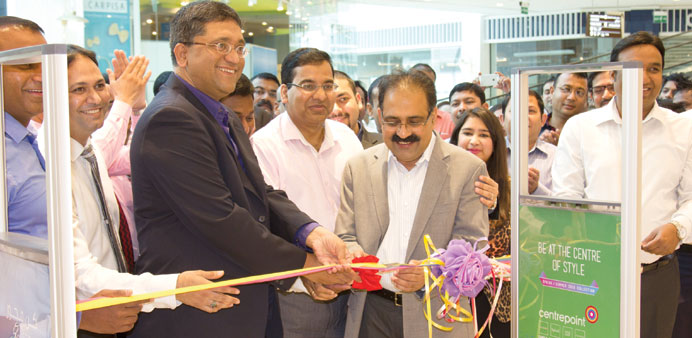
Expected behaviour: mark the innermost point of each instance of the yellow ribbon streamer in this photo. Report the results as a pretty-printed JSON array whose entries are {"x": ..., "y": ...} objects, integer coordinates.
[{"x": 103, "y": 302}]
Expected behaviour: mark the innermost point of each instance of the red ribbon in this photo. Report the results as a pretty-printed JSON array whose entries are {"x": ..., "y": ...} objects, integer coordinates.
[{"x": 370, "y": 280}]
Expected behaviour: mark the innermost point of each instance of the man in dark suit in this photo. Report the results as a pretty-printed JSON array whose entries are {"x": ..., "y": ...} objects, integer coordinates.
[{"x": 200, "y": 198}]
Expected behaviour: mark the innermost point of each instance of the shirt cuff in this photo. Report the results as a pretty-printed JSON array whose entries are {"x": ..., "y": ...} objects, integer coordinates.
[
  {"x": 541, "y": 190},
  {"x": 302, "y": 235},
  {"x": 685, "y": 222},
  {"x": 168, "y": 282}
]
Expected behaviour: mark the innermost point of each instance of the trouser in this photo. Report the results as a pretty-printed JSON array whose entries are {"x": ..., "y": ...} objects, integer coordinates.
[
  {"x": 683, "y": 320},
  {"x": 660, "y": 288},
  {"x": 304, "y": 317},
  {"x": 381, "y": 318}
]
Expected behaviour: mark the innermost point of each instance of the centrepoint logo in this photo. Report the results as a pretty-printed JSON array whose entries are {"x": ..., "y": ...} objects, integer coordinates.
[{"x": 591, "y": 314}]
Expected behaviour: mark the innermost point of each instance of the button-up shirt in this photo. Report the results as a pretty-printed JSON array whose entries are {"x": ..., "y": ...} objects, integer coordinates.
[
  {"x": 588, "y": 164},
  {"x": 540, "y": 157},
  {"x": 26, "y": 181},
  {"x": 310, "y": 178},
  {"x": 403, "y": 192}
]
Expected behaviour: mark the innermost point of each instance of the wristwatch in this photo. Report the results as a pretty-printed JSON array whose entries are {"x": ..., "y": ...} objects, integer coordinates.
[{"x": 682, "y": 231}]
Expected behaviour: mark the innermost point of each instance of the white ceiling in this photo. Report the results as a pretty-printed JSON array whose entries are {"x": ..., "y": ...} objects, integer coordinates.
[{"x": 509, "y": 7}]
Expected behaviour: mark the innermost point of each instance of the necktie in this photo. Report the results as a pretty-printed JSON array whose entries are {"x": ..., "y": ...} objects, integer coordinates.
[
  {"x": 126, "y": 240},
  {"x": 32, "y": 140},
  {"x": 88, "y": 155}
]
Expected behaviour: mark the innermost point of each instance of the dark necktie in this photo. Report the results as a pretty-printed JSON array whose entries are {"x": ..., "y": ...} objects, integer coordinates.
[
  {"x": 88, "y": 155},
  {"x": 32, "y": 140},
  {"x": 126, "y": 240}
]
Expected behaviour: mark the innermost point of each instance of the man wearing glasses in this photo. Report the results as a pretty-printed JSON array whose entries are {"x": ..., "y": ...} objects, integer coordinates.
[
  {"x": 200, "y": 198},
  {"x": 395, "y": 193},
  {"x": 303, "y": 153},
  {"x": 601, "y": 88},
  {"x": 568, "y": 99},
  {"x": 266, "y": 85}
]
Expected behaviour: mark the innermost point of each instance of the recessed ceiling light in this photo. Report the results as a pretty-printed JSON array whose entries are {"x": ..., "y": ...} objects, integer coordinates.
[
  {"x": 499, "y": 4},
  {"x": 264, "y": 23},
  {"x": 309, "y": 2},
  {"x": 184, "y": 3},
  {"x": 154, "y": 33},
  {"x": 242, "y": 31},
  {"x": 251, "y": 34},
  {"x": 150, "y": 21}
]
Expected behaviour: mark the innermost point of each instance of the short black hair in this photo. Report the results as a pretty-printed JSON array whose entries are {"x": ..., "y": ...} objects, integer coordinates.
[
  {"x": 636, "y": 39},
  {"x": 676, "y": 77},
  {"x": 678, "y": 107},
  {"x": 342, "y": 75},
  {"x": 468, "y": 87},
  {"x": 539, "y": 99},
  {"x": 365, "y": 92},
  {"x": 408, "y": 79},
  {"x": 581, "y": 75},
  {"x": 301, "y": 57},
  {"x": 73, "y": 51},
  {"x": 592, "y": 76},
  {"x": 266, "y": 76},
  {"x": 682, "y": 83},
  {"x": 243, "y": 87},
  {"x": 191, "y": 19},
  {"x": 160, "y": 80},
  {"x": 373, "y": 85},
  {"x": 6, "y": 21},
  {"x": 424, "y": 67}
]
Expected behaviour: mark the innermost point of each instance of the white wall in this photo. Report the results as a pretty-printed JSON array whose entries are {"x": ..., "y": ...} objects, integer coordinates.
[{"x": 159, "y": 54}]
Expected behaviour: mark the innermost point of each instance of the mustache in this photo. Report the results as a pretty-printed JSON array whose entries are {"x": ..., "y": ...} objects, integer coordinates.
[
  {"x": 410, "y": 138},
  {"x": 264, "y": 102}
]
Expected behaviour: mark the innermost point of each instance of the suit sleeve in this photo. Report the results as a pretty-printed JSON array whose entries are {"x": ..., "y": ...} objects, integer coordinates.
[
  {"x": 471, "y": 220},
  {"x": 181, "y": 160},
  {"x": 345, "y": 226}
]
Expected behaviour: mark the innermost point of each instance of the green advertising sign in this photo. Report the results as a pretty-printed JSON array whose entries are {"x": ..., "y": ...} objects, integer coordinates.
[{"x": 569, "y": 273}]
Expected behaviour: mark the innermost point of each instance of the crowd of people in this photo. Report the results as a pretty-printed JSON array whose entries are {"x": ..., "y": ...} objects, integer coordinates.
[{"x": 225, "y": 176}]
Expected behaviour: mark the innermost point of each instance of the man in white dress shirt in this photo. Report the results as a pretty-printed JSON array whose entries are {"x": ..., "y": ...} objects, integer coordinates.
[
  {"x": 304, "y": 153},
  {"x": 588, "y": 165},
  {"x": 395, "y": 193}
]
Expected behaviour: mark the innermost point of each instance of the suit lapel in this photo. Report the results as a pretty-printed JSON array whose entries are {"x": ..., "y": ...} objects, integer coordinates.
[
  {"x": 378, "y": 178},
  {"x": 251, "y": 183},
  {"x": 435, "y": 178}
]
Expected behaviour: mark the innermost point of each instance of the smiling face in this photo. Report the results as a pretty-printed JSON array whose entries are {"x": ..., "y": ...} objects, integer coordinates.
[
  {"x": 22, "y": 86},
  {"x": 204, "y": 67},
  {"x": 652, "y": 61},
  {"x": 309, "y": 108},
  {"x": 347, "y": 107},
  {"x": 88, "y": 97},
  {"x": 475, "y": 137},
  {"x": 407, "y": 105}
]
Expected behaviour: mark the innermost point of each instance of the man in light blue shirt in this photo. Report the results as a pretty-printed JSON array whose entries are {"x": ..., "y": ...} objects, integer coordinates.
[
  {"x": 541, "y": 153},
  {"x": 26, "y": 179}
]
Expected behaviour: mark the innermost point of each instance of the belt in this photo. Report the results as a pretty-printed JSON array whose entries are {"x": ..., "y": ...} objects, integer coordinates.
[
  {"x": 661, "y": 262},
  {"x": 388, "y": 295}
]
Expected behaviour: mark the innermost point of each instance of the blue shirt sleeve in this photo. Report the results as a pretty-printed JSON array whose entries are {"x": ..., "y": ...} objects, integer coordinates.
[{"x": 302, "y": 235}]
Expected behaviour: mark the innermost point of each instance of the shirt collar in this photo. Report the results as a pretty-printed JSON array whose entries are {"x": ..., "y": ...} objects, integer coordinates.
[
  {"x": 216, "y": 108},
  {"x": 655, "y": 113},
  {"x": 360, "y": 131},
  {"x": 77, "y": 148},
  {"x": 15, "y": 130},
  {"x": 424, "y": 158},
  {"x": 291, "y": 132},
  {"x": 540, "y": 146}
]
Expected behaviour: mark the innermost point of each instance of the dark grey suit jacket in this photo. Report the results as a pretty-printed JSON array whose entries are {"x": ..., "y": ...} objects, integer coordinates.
[{"x": 196, "y": 208}]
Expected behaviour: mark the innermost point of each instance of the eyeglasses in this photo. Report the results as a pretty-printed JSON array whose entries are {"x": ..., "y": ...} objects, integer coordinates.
[
  {"x": 311, "y": 87},
  {"x": 396, "y": 124},
  {"x": 579, "y": 92},
  {"x": 224, "y": 48},
  {"x": 599, "y": 90}
]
